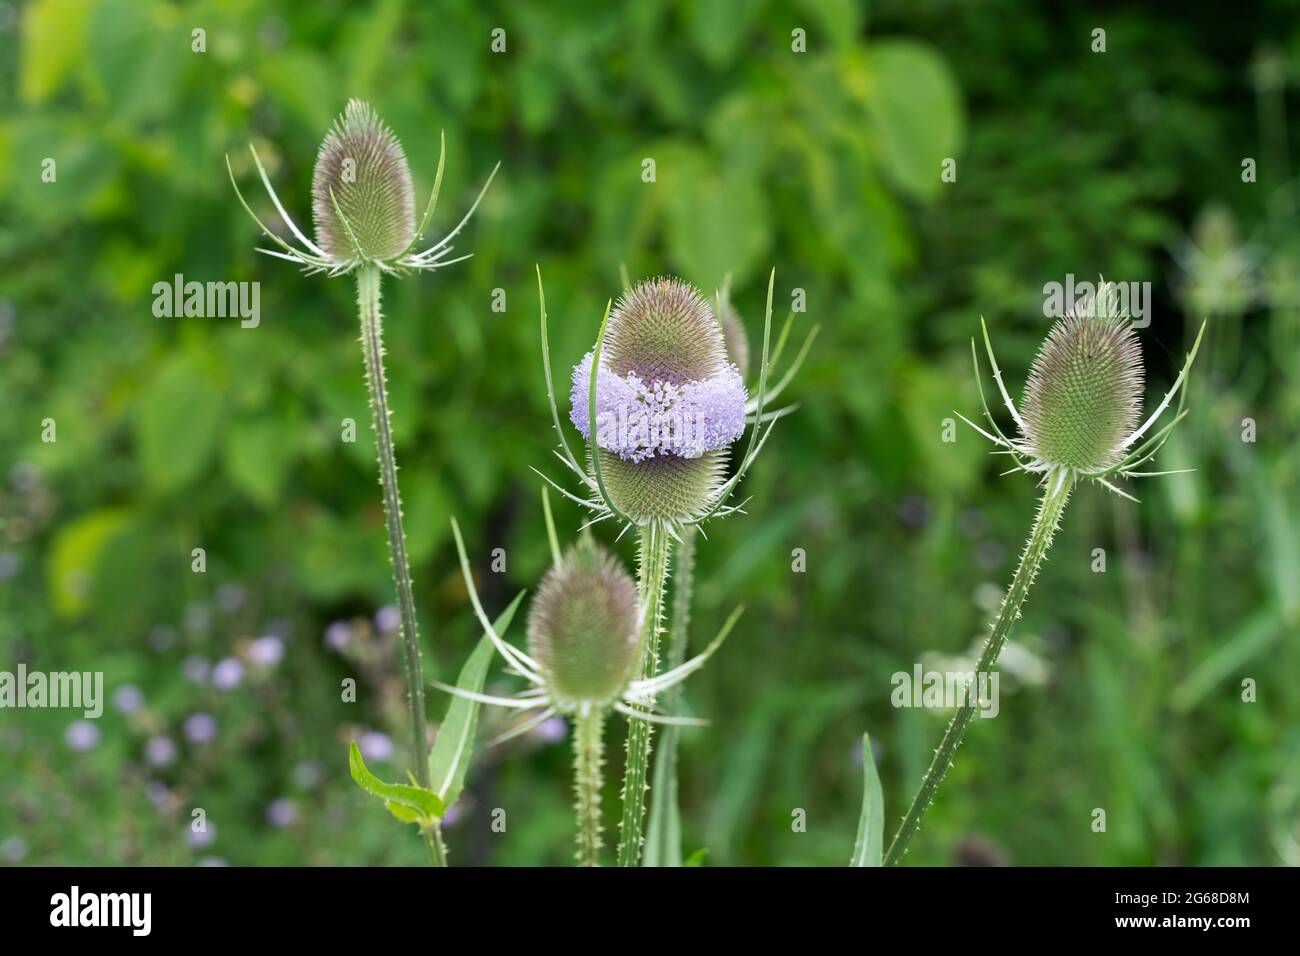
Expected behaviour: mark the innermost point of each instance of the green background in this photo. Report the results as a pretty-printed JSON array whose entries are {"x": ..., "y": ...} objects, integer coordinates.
[{"x": 1123, "y": 690}]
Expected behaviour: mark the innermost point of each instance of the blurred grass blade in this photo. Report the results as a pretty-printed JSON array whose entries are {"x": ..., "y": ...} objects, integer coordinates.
[
  {"x": 449, "y": 760},
  {"x": 1260, "y": 632},
  {"x": 408, "y": 803},
  {"x": 869, "y": 848},
  {"x": 663, "y": 839}
]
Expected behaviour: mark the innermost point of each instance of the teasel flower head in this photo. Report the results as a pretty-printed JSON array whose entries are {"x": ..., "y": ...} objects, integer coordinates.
[
  {"x": 1080, "y": 412},
  {"x": 363, "y": 203},
  {"x": 362, "y": 198},
  {"x": 1084, "y": 394},
  {"x": 666, "y": 402},
  {"x": 583, "y": 630}
]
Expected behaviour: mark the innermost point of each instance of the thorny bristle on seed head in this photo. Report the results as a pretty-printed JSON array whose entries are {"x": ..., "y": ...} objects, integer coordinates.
[
  {"x": 663, "y": 330},
  {"x": 582, "y": 627},
  {"x": 363, "y": 202},
  {"x": 1084, "y": 392},
  {"x": 1082, "y": 403}
]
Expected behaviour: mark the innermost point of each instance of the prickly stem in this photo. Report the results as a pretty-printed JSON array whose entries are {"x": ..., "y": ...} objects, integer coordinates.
[
  {"x": 372, "y": 348},
  {"x": 1050, "y": 509},
  {"x": 588, "y": 763},
  {"x": 652, "y": 577},
  {"x": 662, "y": 837}
]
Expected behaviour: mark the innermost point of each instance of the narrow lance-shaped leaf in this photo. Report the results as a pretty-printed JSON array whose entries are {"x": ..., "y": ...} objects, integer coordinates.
[
  {"x": 869, "y": 848},
  {"x": 450, "y": 757},
  {"x": 410, "y": 804}
]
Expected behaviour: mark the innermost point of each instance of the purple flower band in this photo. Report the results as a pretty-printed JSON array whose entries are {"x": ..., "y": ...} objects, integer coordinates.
[{"x": 637, "y": 419}]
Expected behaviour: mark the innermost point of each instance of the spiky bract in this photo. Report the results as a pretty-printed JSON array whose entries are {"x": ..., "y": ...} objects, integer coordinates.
[
  {"x": 1084, "y": 393},
  {"x": 735, "y": 338},
  {"x": 582, "y": 628},
  {"x": 361, "y": 167}
]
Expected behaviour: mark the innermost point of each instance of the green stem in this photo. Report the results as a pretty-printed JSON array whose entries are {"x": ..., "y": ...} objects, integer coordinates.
[
  {"x": 1050, "y": 510},
  {"x": 372, "y": 348},
  {"x": 653, "y": 575},
  {"x": 588, "y": 759},
  {"x": 663, "y": 833}
]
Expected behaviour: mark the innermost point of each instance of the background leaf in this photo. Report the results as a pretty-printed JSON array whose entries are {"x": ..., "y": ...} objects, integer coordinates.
[
  {"x": 452, "y": 748},
  {"x": 869, "y": 848}
]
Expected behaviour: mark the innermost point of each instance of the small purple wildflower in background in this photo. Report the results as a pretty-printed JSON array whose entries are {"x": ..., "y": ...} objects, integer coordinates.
[
  {"x": 337, "y": 635},
  {"x": 198, "y": 617},
  {"x": 159, "y": 794},
  {"x": 128, "y": 699},
  {"x": 196, "y": 669},
  {"x": 82, "y": 735},
  {"x": 24, "y": 476},
  {"x": 639, "y": 418},
  {"x": 307, "y": 774},
  {"x": 266, "y": 651},
  {"x": 376, "y": 746},
  {"x": 230, "y": 597},
  {"x": 8, "y": 565},
  {"x": 160, "y": 751},
  {"x": 282, "y": 812},
  {"x": 451, "y": 816},
  {"x": 228, "y": 674},
  {"x": 161, "y": 637},
  {"x": 200, "y": 728},
  {"x": 552, "y": 730},
  {"x": 13, "y": 849},
  {"x": 387, "y": 619},
  {"x": 198, "y": 839}
]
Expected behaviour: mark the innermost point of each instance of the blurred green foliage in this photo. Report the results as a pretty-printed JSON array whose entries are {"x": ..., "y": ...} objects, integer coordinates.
[{"x": 1125, "y": 687}]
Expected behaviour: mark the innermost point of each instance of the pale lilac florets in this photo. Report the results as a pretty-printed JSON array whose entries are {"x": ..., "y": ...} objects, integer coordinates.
[{"x": 638, "y": 419}]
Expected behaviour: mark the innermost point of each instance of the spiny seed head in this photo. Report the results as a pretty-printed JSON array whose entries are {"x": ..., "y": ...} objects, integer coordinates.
[
  {"x": 582, "y": 627},
  {"x": 662, "y": 330},
  {"x": 735, "y": 338},
  {"x": 362, "y": 164},
  {"x": 668, "y": 488},
  {"x": 1084, "y": 393}
]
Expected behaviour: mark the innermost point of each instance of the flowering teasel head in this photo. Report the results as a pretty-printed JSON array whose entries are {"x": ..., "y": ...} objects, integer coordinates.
[
  {"x": 1078, "y": 417},
  {"x": 582, "y": 643},
  {"x": 666, "y": 403},
  {"x": 362, "y": 203}
]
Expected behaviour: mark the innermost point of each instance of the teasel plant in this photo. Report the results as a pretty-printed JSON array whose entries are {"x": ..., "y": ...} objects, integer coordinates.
[
  {"x": 659, "y": 359},
  {"x": 1078, "y": 421},
  {"x": 583, "y": 628},
  {"x": 363, "y": 209},
  {"x": 663, "y": 841}
]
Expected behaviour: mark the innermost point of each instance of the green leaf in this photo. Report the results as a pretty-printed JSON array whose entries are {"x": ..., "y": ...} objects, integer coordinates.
[
  {"x": 916, "y": 107},
  {"x": 869, "y": 848},
  {"x": 76, "y": 556},
  {"x": 177, "y": 424},
  {"x": 697, "y": 858},
  {"x": 257, "y": 456},
  {"x": 408, "y": 803},
  {"x": 449, "y": 760},
  {"x": 54, "y": 41}
]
